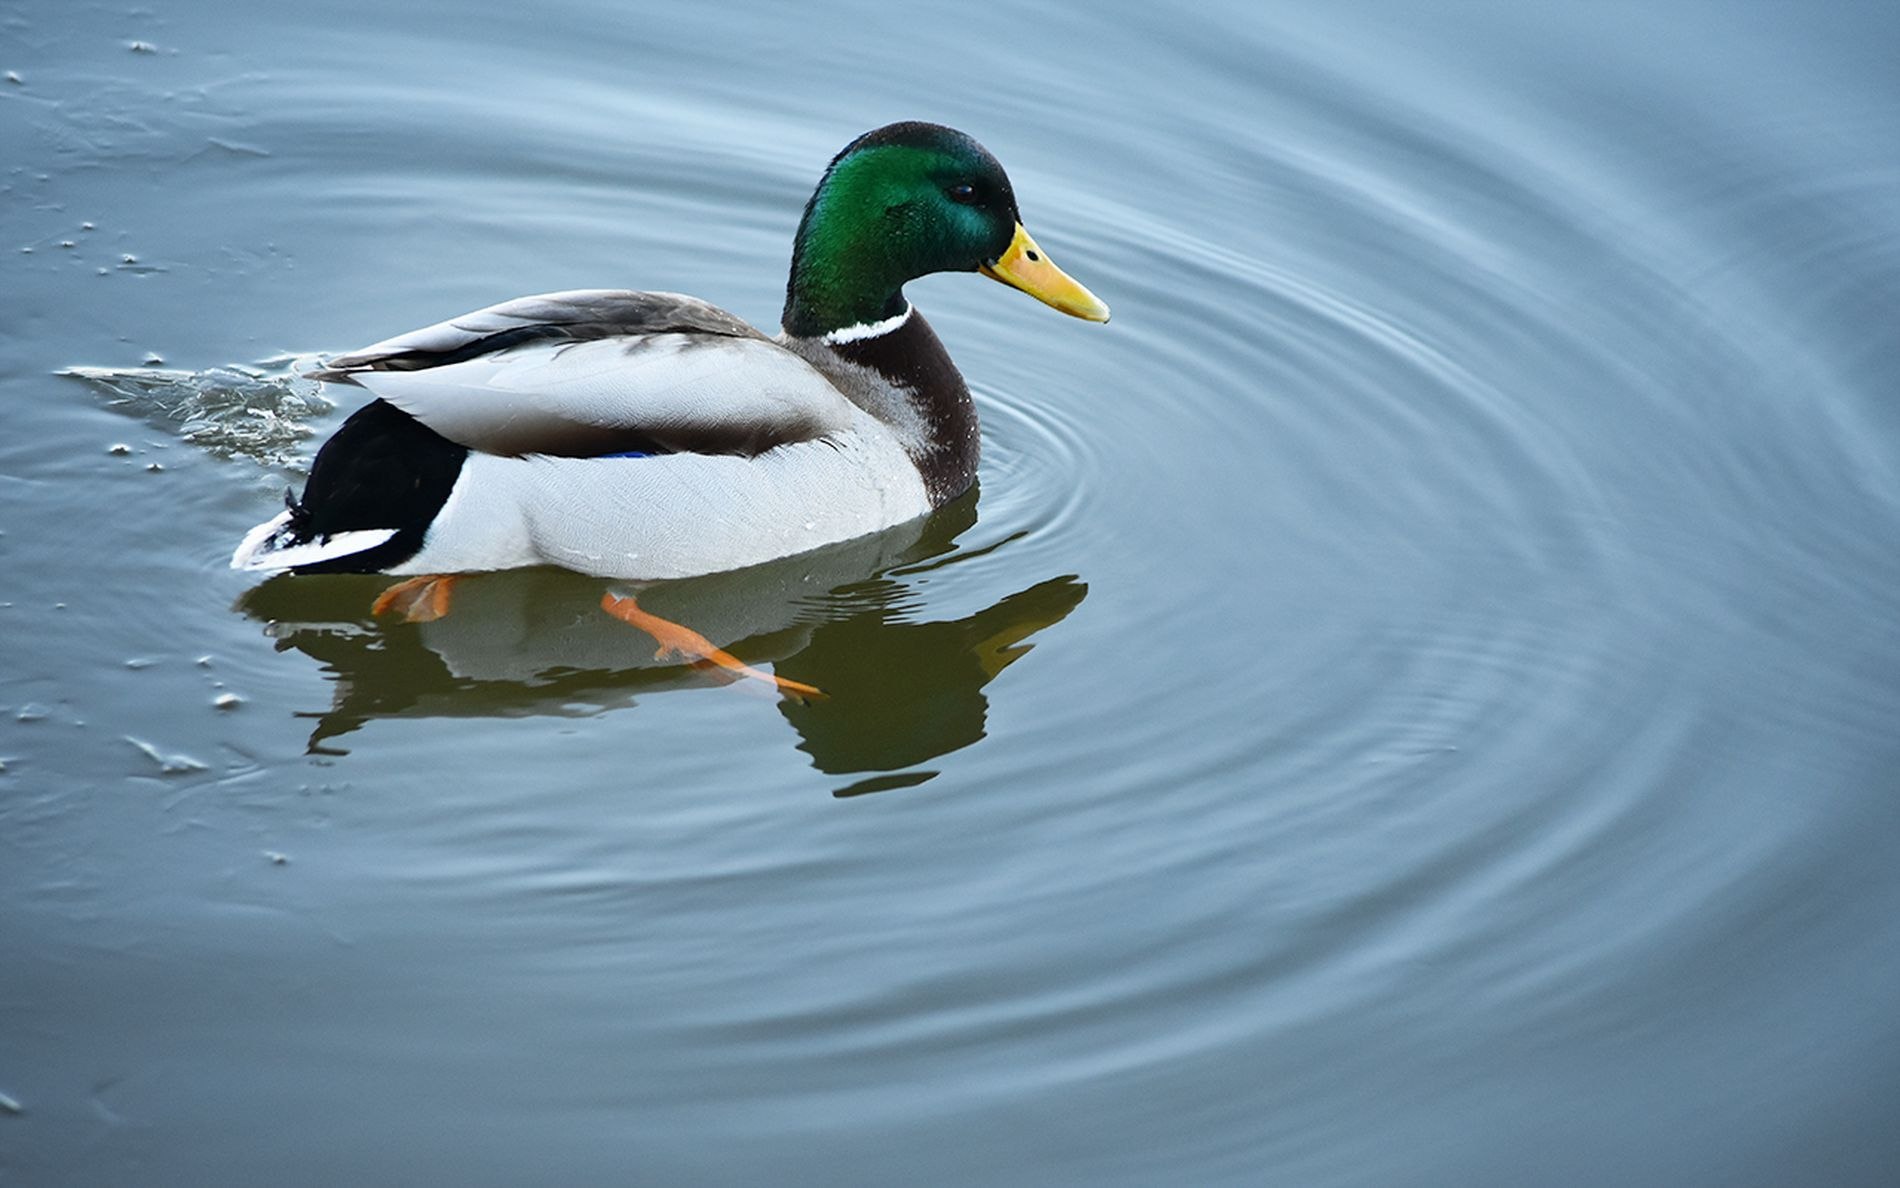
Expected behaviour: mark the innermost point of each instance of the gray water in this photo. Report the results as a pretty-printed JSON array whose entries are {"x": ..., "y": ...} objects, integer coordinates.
[{"x": 1413, "y": 703}]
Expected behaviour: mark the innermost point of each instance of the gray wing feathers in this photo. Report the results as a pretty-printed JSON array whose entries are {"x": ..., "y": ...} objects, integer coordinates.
[
  {"x": 593, "y": 372},
  {"x": 577, "y": 315}
]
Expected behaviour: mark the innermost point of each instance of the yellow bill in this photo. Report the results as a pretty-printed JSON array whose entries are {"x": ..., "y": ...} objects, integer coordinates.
[{"x": 1025, "y": 266}]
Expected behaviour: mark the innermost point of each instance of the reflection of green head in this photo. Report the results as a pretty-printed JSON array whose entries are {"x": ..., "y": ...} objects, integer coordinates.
[
  {"x": 898, "y": 203},
  {"x": 902, "y": 693}
]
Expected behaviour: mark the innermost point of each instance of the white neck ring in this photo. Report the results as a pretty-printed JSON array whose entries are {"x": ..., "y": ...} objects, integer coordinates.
[{"x": 864, "y": 330}]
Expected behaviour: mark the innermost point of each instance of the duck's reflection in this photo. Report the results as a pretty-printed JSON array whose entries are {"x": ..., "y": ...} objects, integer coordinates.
[{"x": 899, "y": 693}]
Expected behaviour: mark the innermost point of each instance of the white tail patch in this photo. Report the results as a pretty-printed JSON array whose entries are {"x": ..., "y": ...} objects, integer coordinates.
[{"x": 272, "y": 546}]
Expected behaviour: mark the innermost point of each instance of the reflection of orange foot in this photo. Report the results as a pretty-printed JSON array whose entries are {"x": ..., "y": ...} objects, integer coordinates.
[
  {"x": 418, "y": 600},
  {"x": 685, "y": 643}
]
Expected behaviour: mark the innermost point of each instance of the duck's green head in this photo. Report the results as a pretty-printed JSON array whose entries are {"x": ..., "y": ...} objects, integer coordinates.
[{"x": 904, "y": 201}]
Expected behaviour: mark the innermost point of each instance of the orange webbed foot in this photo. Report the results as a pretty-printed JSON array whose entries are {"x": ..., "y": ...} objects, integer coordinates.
[
  {"x": 683, "y": 643},
  {"x": 418, "y": 600}
]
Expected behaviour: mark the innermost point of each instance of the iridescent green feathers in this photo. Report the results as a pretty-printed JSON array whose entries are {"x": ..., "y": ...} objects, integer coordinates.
[{"x": 901, "y": 202}]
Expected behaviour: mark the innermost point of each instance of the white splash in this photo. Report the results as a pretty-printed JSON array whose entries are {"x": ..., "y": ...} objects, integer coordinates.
[{"x": 260, "y": 412}]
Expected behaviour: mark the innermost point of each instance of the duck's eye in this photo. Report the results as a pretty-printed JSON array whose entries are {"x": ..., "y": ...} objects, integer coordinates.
[{"x": 962, "y": 192}]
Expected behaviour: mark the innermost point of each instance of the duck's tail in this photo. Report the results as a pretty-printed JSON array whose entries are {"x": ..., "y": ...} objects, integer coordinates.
[
  {"x": 373, "y": 491},
  {"x": 285, "y": 542}
]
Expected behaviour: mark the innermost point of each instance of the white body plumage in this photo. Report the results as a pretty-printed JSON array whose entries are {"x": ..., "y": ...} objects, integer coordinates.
[
  {"x": 674, "y": 515},
  {"x": 625, "y": 434}
]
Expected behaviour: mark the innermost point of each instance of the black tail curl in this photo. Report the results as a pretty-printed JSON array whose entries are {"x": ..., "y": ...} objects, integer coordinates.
[{"x": 382, "y": 469}]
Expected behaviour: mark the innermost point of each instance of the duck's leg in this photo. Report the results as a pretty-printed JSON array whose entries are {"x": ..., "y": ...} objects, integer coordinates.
[
  {"x": 418, "y": 600},
  {"x": 685, "y": 643}
]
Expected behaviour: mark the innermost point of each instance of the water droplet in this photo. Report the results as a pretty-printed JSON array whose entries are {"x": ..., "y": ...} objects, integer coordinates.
[
  {"x": 276, "y": 859},
  {"x": 167, "y": 764},
  {"x": 227, "y": 701}
]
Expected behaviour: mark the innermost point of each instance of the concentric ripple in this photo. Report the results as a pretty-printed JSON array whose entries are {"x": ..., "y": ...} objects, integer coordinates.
[{"x": 1412, "y": 703}]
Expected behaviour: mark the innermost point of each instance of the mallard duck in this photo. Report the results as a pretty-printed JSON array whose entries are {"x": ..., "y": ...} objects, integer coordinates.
[{"x": 647, "y": 435}]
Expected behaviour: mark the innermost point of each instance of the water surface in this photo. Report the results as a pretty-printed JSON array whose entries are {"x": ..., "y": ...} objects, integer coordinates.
[{"x": 1412, "y": 703}]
